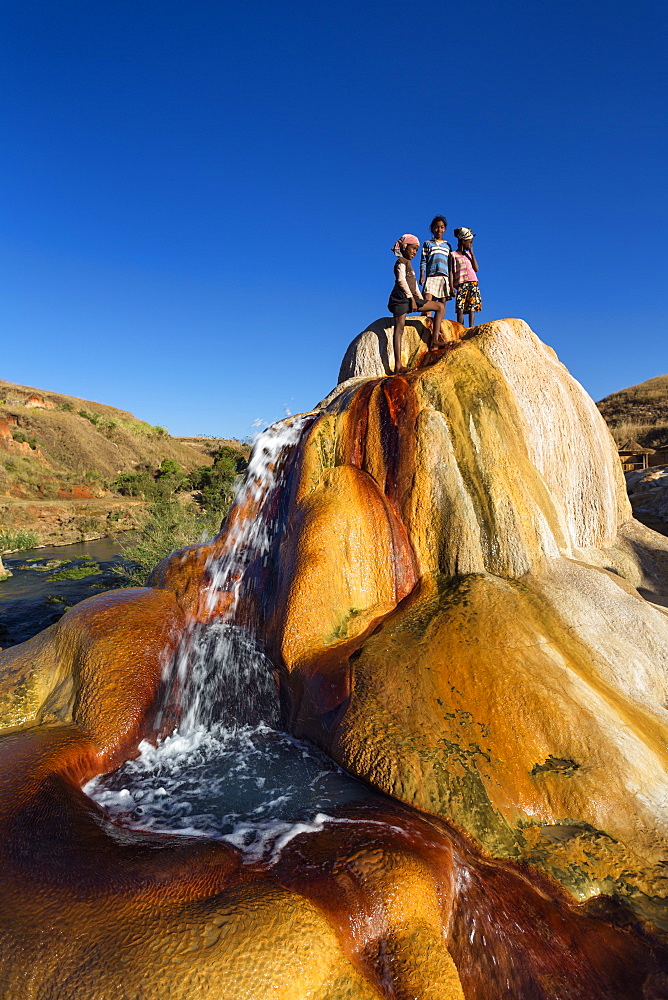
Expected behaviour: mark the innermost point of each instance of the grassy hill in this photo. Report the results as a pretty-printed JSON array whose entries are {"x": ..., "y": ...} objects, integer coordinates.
[
  {"x": 62, "y": 460},
  {"x": 639, "y": 413}
]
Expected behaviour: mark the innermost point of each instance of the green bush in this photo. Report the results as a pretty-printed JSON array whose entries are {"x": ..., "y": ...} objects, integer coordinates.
[
  {"x": 167, "y": 525},
  {"x": 137, "y": 484},
  {"x": 92, "y": 417},
  {"x": 10, "y": 540},
  {"x": 67, "y": 407},
  {"x": 24, "y": 439},
  {"x": 170, "y": 477},
  {"x": 215, "y": 483}
]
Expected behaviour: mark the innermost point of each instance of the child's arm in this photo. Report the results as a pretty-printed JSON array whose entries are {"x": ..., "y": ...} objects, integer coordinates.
[
  {"x": 451, "y": 271},
  {"x": 474, "y": 262},
  {"x": 423, "y": 264}
]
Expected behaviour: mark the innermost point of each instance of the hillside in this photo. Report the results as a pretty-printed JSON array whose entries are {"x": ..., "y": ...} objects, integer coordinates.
[
  {"x": 60, "y": 457},
  {"x": 639, "y": 413}
]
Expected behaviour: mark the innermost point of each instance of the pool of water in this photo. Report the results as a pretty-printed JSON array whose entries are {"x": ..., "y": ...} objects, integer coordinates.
[
  {"x": 36, "y": 595},
  {"x": 252, "y": 786}
]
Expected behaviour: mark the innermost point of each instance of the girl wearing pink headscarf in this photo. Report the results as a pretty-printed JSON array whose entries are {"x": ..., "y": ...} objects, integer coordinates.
[{"x": 405, "y": 297}]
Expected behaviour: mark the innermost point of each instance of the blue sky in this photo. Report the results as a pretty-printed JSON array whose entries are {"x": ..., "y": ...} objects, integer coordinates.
[{"x": 199, "y": 196}]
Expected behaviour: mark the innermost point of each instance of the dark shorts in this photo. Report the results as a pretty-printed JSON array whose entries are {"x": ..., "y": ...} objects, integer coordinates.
[{"x": 401, "y": 307}]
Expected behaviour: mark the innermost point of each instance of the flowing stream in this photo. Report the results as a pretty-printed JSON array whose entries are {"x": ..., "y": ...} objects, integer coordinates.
[{"x": 226, "y": 771}]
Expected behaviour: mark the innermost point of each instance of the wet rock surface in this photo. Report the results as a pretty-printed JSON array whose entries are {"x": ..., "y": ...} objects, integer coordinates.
[{"x": 445, "y": 589}]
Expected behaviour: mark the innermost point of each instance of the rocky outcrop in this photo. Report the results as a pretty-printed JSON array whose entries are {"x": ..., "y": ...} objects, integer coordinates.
[
  {"x": 648, "y": 491},
  {"x": 520, "y": 687},
  {"x": 35, "y": 402},
  {"x": 371, "y": 354},
  {"x": 463, "y": 613}
]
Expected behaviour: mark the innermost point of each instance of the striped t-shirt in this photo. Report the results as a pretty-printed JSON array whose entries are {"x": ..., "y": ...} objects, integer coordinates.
[
  {"x": 463, "y": 268},
  {"x": 434, "y": 259}
]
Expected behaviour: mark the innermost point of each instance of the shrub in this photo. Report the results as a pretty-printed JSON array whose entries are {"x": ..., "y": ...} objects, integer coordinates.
[
  {"x": 216, "y": 482},
  {"x": 136, "y": 484},
  {"x": 67, "y": 407},
  {"x": 24, "y": 439},
  {"x": 167, "y": 525},
  {"x": 170, "y": 477},
  {"x": 92, "y": 417},
  {"x": 160, "y": 431},
  {"x": 10, "y": 540}
]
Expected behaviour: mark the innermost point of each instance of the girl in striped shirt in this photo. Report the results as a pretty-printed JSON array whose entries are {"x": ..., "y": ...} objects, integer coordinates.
[{"x": 435, "y": 263}]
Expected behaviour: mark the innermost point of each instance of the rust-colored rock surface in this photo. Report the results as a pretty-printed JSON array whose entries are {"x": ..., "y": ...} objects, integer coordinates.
[
  {"x": 520, "y": 689},
  {"x": 460, "y": 610}
]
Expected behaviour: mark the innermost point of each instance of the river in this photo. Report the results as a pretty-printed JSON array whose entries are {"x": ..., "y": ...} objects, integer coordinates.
[{"x": 45, "y": 582}]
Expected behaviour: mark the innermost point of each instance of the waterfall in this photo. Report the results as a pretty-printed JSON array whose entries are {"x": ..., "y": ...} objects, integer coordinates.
[
  {"x": 254, "y": 519},
  {"x": 220, "y": 766},
  {"x": 220, "y": 672}
]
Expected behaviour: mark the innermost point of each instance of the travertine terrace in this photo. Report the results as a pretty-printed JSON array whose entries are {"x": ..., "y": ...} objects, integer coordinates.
[{"x": 461, "y": 611}]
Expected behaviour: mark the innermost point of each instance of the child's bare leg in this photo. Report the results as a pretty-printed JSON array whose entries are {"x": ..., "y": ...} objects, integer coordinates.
[
  {"x": 439, "y": 316},
  {"x": 399, "y": 324},
  {"x": 437, "y": 308},
  {"x": 471, "y": 319}
]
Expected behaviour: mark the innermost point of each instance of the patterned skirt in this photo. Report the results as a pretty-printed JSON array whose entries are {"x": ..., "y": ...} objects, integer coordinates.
[{"x": 468, "y": 298}]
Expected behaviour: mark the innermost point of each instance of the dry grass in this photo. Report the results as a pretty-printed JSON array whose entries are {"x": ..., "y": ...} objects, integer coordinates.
[
  {"x": 84, "y": 443},
  {"x": 642, "y": 433},
  {"x": 639, "y": 413}
]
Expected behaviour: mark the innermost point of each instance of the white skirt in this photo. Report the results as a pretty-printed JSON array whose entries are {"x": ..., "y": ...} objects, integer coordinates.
[{"x": 438, "y": 286}]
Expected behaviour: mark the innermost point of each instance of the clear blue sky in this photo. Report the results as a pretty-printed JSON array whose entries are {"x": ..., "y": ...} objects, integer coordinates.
[{"x": 199, "y": 196}]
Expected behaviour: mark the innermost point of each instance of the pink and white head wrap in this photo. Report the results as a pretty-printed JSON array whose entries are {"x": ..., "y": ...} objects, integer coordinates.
[{"x": 404, "y": 241}]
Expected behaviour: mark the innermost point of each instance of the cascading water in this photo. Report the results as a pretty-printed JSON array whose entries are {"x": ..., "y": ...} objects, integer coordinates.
[
  {"x": 220, "y": 673},
  {"x": 225, "y": 770}
]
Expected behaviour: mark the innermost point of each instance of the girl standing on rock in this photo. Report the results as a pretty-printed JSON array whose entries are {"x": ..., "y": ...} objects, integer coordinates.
[
  {"x": 405, "y": 297},
  {"x": 464, "y": 276},
  {"x": 435, "y": 263}
]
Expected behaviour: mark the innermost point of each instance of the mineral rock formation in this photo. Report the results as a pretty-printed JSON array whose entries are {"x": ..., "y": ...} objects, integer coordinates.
[
  {"x": 371, "y": 354},
  {"x": 519, "y": 689},
  {"x": 462, "y": 612}
]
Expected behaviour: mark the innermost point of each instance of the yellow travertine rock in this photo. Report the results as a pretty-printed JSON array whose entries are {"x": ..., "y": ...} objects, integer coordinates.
[
  {"x": 524, "y": 682},
  {"x": 464, "y": 614}
]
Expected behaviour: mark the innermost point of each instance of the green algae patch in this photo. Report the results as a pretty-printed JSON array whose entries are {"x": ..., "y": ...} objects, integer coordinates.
[{"x": 77, "y": 572}]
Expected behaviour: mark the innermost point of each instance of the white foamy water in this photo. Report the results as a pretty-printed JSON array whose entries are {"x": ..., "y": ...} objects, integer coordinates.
[
  {"x": 250, "y": 535},
  {"x": 226, "y": 772},
  {"x": 251, "y": 786},
  {"x": 220, "y": 672}
]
